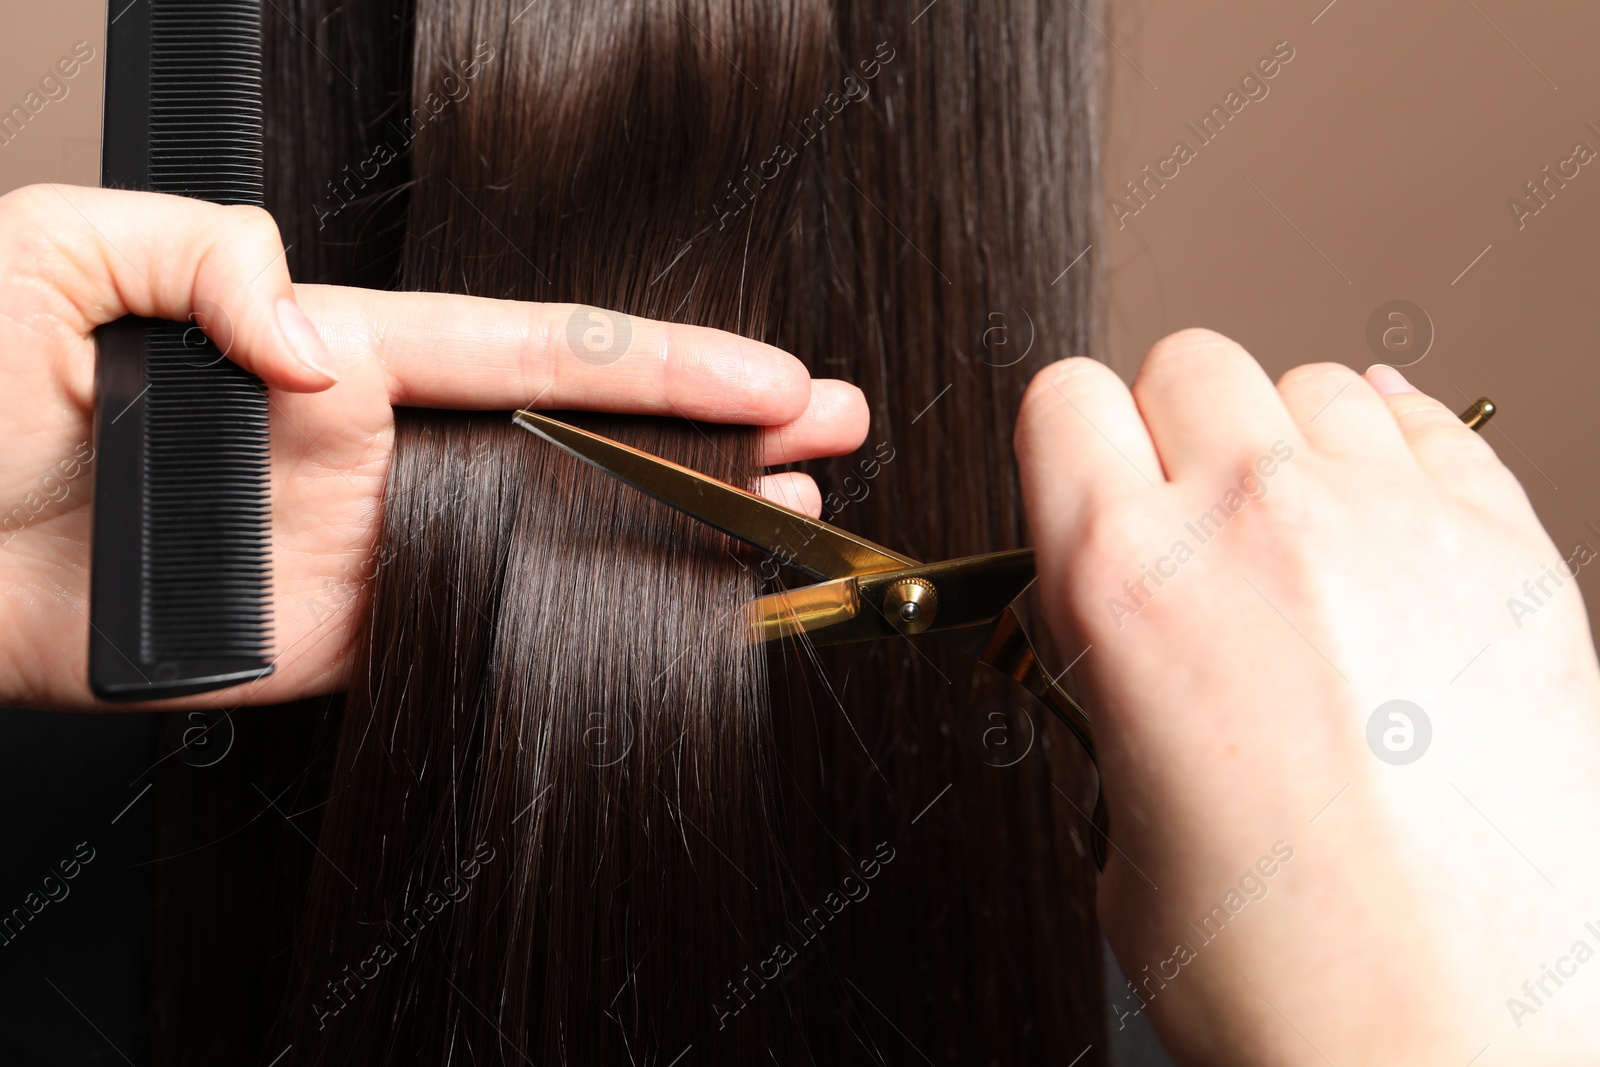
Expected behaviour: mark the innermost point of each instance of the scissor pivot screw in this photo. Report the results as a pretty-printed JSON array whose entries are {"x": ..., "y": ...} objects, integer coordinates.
[{"x": 911, "y": 604}]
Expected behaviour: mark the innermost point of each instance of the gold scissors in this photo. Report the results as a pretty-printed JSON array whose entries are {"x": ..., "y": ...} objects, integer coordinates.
[{"x": 865, "y": 592}]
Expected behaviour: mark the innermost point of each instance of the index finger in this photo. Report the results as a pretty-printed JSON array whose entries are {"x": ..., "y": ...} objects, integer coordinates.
[{"x": 444, "y": 350}]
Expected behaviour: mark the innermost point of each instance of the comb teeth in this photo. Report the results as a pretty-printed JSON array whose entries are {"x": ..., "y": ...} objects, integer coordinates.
[
  {"x": 207, "y": 539},
  {"x": 205, "y": 100},
  {"x": 181, "y": 580}
]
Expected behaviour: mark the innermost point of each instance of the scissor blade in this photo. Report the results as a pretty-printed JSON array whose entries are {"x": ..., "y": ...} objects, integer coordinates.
[{"x": 813, "y": 546}]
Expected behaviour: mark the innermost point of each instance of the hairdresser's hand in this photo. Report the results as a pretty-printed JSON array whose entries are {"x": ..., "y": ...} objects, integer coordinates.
[
  {"x": 72, "y": 259},
  {"x": 1258, "y": 570}
]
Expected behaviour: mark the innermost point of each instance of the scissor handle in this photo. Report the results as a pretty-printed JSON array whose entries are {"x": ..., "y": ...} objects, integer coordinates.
[
  {"x": 1072, "y": 714},
  {"x": 1023, "y": 659},
  {"x": 1004, "y": 645}
]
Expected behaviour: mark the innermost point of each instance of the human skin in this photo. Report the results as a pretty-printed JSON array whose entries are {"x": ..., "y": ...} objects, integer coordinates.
[
  {"x": 338, "y": 362},
  {"x": 1231, "y": 704}
]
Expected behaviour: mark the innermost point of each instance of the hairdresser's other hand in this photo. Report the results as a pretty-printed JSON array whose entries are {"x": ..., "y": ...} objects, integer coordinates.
[
  {"x": 1301, "y": 872},
  {"x": 338, "y": 361}
]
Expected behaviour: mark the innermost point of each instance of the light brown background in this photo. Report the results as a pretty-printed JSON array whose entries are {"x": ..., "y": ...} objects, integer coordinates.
[
  {"x": 62, "y": 142},
  {"x": 1392, "y": 142}
]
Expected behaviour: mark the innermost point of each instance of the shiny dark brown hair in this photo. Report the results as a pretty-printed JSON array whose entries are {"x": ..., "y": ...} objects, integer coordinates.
[{"x": 566, "y": 813}]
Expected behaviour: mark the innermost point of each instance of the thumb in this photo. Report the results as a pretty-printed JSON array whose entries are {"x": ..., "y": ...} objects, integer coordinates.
[{"x": 115, "y": 252}]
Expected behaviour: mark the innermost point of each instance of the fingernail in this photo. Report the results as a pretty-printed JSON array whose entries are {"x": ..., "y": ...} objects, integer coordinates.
[
  {"x": 1386, "y": 380},
  {"x": 304, "y": 339}
]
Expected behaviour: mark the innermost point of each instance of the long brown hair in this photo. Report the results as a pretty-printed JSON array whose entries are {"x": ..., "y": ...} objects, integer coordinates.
[{"x": 571, "y": 816}]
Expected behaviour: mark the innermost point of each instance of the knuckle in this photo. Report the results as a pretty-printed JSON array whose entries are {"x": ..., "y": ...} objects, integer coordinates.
[
  {"x": 675, "y": 356},
  {"x": 1269, "y": 506},
  {"x": 1116, "y": 546},
  {"x": 1285, "y": 515},
  {"x": 1419, "y": 409},
  {"x": 536, "y": 362},
  {"x": 1108, "y": 537},
  {"x": 1284, "y": 538},
  {"x": 254, "y": 224},
  {"x": 1177, "y": 351},
  {"x": 1314, "y": 377},
  {"x": 1445, "y": 440},
  {"x": 1053, "y": 387},
  {"x": 544, "y": 333}
]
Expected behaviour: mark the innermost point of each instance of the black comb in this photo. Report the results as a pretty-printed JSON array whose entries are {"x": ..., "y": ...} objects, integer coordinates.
[{"x": 180, "y": 598}]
